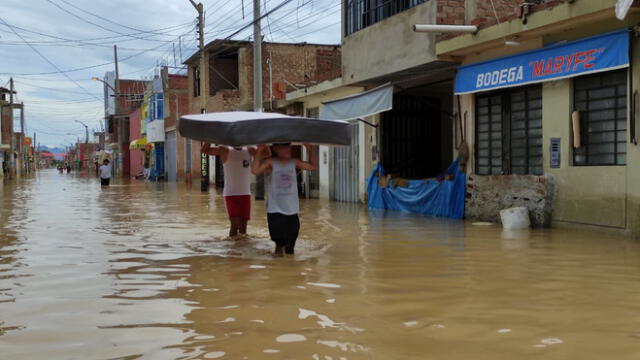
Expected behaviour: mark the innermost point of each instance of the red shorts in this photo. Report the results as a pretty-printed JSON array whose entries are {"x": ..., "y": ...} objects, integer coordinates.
[{"x": 238, "y": 206}]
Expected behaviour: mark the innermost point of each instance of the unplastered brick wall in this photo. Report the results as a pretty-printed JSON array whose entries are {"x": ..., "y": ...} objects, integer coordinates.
[
  {"x": 481, "y": 12},
  {"x": 451, "y": 12},
  {"x": 487, "y": 195},
  {"x": 297, "y": 65}
]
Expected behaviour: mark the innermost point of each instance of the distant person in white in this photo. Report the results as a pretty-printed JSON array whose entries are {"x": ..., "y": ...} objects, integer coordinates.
[{"x": 105, "y": 173}]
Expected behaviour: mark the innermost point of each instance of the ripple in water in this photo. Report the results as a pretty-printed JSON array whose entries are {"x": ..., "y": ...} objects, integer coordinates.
[
  {"x": 214, "y": 355},
  {"x": 325, "y": 285},
  {"x": 289, "y": 338}
]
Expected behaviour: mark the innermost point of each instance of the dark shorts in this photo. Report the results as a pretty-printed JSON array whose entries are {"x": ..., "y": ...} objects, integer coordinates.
[
  {"x": 283, "y": 230},
  {"x": 238, "y": 206},
  {"x": 104, "y": 182}
]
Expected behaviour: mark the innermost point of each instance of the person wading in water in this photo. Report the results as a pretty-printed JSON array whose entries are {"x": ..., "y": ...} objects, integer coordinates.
[
  {"x": 105, "y": 173},
  {"x": 283, "y": 204},
  {"x": 237, "y": 184}
]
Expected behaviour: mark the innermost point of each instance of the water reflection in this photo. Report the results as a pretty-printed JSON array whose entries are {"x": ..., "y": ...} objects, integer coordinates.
[{"x": 146, "y": 271}]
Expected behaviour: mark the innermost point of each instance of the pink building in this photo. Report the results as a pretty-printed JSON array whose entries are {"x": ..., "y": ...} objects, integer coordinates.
[{"x": 137, "y": 156}]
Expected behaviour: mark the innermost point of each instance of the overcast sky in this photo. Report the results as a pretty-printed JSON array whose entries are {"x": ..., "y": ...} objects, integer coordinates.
[{"x": 75, "y": 39}]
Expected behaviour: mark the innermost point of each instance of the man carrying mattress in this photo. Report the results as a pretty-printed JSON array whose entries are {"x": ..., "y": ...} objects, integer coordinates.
[{"x": 237, "y": 184}]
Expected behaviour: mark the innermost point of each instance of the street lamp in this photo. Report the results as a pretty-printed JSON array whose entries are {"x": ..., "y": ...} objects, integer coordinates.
[
  {"x": 86, "y": 128},
  {"x": 107, "y": 84}
]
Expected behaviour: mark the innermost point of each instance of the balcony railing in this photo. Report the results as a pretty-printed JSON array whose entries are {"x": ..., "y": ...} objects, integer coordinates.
[{"x": 363, "y": 13}]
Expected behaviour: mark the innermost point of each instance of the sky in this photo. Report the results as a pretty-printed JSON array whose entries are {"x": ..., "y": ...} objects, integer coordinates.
[{"x": 52, "y": 48}]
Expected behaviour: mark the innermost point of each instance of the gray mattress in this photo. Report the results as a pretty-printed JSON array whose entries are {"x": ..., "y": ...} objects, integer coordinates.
[{"x": 239, "y": 128}]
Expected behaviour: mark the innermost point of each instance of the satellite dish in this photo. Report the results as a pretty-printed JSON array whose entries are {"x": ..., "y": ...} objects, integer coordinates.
[{"x": 622, "y": 8}]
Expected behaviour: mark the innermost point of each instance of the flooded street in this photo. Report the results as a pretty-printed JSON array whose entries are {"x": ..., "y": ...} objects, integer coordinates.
[{"x": 145, "y": 271}]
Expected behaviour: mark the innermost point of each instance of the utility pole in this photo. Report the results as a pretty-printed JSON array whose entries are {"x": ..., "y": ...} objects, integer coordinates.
[
  {"x": 35, "y": 152},
  {"x": 22, "y": 117},
  {"x": 117, "y": 81},
  {"x": 23, "y": 158},
  {"x": 204, "y": 158},
  {"x": 118, "y": 124},
  {"x": 257, "y": 80},
  {"x": 12, "y": 144}
]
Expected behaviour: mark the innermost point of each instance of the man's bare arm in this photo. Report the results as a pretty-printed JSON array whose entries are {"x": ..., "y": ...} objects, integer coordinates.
[{"x": 221, "y": 151}]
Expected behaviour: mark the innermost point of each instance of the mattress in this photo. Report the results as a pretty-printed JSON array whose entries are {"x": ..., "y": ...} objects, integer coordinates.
[{"x": 242, "y": 128}]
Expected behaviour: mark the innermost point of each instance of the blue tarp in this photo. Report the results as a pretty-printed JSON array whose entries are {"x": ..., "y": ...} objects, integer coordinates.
[{"x": 436, "y": 197}]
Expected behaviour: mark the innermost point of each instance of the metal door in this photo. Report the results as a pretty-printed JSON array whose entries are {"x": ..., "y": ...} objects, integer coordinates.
[
  {"x": 170, "y": 151},
  {"x": 344, "y": 186}
]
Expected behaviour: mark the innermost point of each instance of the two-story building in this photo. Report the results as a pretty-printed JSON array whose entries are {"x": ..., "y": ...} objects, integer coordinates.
[
  {"x": 130, "y": 96},
  {"x": 548, "y": 93},
  {"x": 6, "y": 131},
  {"x": 228, "y": 77},
  {"x": 396, "y": 91},
  {"x": 180, "y": 160}
]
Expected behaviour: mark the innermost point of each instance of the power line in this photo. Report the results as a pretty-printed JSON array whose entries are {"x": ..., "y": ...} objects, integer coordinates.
[
  {"x": 96, "y": 24},
  {"x": 48, "y": 61},
  {"x": 88, "y": 41},
  {"x": 85, "y": 67},
  {"x": 108, "y": 20}
]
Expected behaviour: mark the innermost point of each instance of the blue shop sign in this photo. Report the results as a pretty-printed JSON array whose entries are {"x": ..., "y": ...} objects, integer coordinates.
[{"x": 595, "y": 54}]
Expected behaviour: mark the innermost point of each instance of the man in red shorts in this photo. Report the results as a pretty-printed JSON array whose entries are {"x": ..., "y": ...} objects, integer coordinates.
[{"x": 237, "y": 184}]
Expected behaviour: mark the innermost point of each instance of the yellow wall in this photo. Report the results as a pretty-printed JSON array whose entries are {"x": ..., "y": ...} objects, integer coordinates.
[
  {"x": 596, "y": 195},
  {"x": 584, "y": 194},
  {"x": 633, "y": 154}
]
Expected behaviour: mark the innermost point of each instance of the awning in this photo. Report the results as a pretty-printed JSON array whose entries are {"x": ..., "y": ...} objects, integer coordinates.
[
  {"x": 138, "y": 144},
  {"x": 585, "y": 56},
  {"x": 360, "y": 105}
]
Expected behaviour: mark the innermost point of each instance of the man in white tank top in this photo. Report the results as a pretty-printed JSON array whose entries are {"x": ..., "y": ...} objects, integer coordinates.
[
  {"x": 237, "y": 184},
  {"x": 282, "y": 192}
]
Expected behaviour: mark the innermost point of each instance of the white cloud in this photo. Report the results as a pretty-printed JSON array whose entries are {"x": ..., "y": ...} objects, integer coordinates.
[{"x": 52, "y": 102}]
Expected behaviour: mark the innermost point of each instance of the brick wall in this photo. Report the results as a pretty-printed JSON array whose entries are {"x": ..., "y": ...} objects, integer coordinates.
[
  {"x": 481, "y": 13},
  {"x": 129, "y": 87},
  {"x": 301, "y": 64},
  {"x": 328, "y": 64},
  {"x": 177, "y": 99},
  {"x": 451, "y": 12},
  {"x": 5, "y": 127}
]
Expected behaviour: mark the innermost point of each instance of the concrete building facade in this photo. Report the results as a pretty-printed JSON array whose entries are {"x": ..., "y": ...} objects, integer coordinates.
[
  {"x": 181, "y": 161},
  {"x": 130, "y": 97},
  {"x": 592, "y": 182}
]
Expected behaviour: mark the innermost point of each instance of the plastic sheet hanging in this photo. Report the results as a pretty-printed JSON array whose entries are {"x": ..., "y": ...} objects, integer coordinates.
[{"x": 442, "y": 196}]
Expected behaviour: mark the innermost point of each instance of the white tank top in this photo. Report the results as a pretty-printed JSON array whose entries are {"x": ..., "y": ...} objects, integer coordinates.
[
  {"x": 237, "y": 173},
  {"x": 283, "y": 188}
]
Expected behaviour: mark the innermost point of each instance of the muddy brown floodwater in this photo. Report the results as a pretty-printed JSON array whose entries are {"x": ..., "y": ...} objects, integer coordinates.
[{"x": 144, "y": 271}]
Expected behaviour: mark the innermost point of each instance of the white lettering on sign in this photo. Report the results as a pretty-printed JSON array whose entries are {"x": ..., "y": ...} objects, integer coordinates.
[{"x": 500, "y": 77}]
